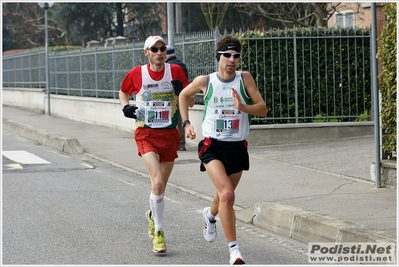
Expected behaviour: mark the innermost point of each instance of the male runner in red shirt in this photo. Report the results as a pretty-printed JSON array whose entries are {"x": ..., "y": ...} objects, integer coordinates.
[{"x": 156, "y": 86}]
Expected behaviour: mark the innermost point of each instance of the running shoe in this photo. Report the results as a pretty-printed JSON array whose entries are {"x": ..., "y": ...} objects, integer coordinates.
[
  {"x": 235, "y": 256},
  {"x": 209, "y": 227},
  {"x": 151, "y": 223},
  {"x": 158, "y": 243}
]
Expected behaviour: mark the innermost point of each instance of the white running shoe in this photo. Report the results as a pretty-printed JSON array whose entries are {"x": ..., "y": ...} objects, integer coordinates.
[
  {"x": 235, "y": 256},
  {"x": 209, "y": 228}
]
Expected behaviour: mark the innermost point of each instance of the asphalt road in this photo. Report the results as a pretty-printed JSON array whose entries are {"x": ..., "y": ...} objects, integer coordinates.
[{"x": 77, "y": 210}]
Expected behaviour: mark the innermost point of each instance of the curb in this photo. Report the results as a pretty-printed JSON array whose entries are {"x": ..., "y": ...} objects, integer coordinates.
[
  {"x": 58, "y": 142},
  {"x": 308, "y": 226}
]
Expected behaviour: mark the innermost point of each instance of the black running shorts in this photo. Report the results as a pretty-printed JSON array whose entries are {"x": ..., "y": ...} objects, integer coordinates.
[{"x": 233, "y": 155}]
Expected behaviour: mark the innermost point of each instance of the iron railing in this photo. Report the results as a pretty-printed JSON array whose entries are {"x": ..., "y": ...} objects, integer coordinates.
[{"x": 98, "y": 72}]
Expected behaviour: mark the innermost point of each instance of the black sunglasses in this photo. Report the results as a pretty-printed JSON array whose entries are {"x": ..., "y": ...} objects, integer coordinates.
[
  {"x": 228, "y": 55},
  {"x": 156, "y": 49}
]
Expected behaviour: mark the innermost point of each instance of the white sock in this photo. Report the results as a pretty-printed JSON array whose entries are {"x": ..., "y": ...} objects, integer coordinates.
[
  {"x": 209, "y": 215},
  {"x": 157, "y": 205},
  {"x": 233, "y": 244}
]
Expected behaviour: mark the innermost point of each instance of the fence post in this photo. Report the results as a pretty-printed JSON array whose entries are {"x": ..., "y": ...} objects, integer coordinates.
[
  {"x": 15, "y": 76},
  {"x": 80, "y": 73},
  {"x": 184, "y": 55},
  {"x": 55, "y": 73},
  {"x": 30, "y": 69},
  {"x": 67, "y": 68},
  {"x": 133, "y": 53},
  {"x": 113, "y": 73},
  {"x": 295, "y": 78},
  {"x": 96, "y": 69},
  {"x": 216, "y": 35}
]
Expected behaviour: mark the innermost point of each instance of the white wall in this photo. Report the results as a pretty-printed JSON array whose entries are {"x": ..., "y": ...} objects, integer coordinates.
[
  {"x": 108, "y": 113},
  {"x": 28, "y": 98}
]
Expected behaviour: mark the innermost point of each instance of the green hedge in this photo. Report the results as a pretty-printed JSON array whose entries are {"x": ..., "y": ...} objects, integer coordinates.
[
  {"x": 387, "y": 79},
  {"x": 333, "y": 72},
  {"x": 62, "y": 48}
]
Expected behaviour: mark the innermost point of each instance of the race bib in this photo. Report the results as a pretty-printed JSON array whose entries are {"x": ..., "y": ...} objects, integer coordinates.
[
  {"x": 158, "y": 114},
  {"x": 227, "y": 123}
]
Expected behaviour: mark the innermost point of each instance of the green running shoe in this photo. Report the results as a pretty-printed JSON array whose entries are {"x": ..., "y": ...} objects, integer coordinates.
[
  {"x": 151, "y": 223},
  {"x": 158, "y": 243}
]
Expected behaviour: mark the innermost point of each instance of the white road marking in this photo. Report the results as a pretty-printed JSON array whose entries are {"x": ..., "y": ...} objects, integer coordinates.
[
  {"x": 14, "y": 166},
  {"x": 126, "y": 182},
  {"x": 24, "y": 157},
  {"x": 88, "y": 165}
]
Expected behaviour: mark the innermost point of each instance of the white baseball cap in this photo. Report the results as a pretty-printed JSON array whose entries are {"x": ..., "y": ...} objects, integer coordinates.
[{"x": 152, "y": 40}]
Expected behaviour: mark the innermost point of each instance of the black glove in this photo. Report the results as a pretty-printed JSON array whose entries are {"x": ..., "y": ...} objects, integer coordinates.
[
  {"x": 129, "y": 111},
  {"x": 177, "y": 86}
]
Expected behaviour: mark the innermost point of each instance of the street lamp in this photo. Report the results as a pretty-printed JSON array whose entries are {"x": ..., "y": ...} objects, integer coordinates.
[{"x": 45, "y": 6}]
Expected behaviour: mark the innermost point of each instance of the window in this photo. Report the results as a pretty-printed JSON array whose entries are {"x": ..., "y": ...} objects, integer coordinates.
[{"x": 345, "y": 18}]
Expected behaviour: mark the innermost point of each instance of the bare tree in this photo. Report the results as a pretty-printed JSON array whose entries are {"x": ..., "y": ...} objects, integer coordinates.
[
  {"x": 24, "y": 27},
  {"x": 87, "y": 21},
  {"x": 214, "y": 13},
  {"x": 144, "y": 18},
  {"x": 284, "y": 14},
  {"x": 76, "y": 23}
]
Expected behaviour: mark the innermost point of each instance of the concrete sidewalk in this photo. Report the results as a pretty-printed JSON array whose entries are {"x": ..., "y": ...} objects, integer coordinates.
[{"x": 311, "y": 192}]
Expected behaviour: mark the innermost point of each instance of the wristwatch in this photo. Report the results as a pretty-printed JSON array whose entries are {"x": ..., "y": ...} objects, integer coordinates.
[{"x": 183, "y": 123}]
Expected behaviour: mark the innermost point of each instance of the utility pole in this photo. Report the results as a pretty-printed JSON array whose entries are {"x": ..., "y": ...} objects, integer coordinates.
[
  {"x": 178, "y": 15},
  {"x": 45, "y": 6},
  {"x": 376, "y": 104},
  {"x": 171, "y": 24}
]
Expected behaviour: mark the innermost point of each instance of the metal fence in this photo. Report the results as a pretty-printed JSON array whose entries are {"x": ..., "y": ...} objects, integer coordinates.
[{"x": 98, "y": 72}]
